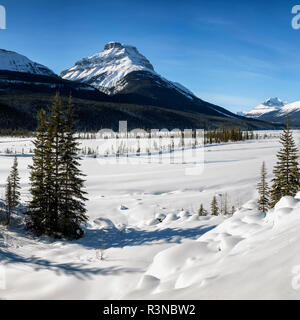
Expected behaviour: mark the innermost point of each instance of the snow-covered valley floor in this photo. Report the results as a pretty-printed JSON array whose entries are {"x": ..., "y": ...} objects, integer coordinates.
[{"x": 128, "y": 254}]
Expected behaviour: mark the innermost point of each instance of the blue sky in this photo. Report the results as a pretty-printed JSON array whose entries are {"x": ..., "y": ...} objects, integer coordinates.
[{"x": 231, "y": 52}]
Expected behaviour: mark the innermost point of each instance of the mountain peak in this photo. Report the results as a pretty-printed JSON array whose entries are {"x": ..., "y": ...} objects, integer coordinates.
[
  {"x": 273, "y": 102},
  {"x": 106, "y": 68},
  {"x": 12, "y": 61},
  {"x": 270, "y": 105},
  {"x": 113, "y": 45}
]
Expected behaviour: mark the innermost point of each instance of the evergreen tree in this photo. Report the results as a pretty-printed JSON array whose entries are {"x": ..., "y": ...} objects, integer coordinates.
[
  {"x": 12, "y": 193},
  {"x": 57, "y": 208},
  {"x": 263, "y": 190},
  {"x": 286, "y": 179},
  {"x": 38, "y": 206},
  {"x": 73, "y": 211},
  {"x": 54, "y": 150},
  {"x": 202, "y": 211},
  {"x": 15, "y": 183},
  {"x": 214, "y": 207},
  {"x": 232, "y": 209},
  {"x": 8, "y": 200}
]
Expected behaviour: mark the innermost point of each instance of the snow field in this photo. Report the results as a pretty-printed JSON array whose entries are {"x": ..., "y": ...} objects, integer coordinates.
[{"x": 144, "y": 238}]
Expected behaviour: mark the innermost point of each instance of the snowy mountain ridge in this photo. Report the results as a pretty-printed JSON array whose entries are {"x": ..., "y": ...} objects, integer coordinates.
[
  {"x": 269, "y": 105},
  {"x": 12, "y": 61},
  {"x": 105, "y": 70},
  {"x": 275, "y": 110}
]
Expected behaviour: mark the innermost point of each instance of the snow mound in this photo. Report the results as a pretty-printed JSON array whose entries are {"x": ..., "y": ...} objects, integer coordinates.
[
  {"x": 248, "y": 238},
  {"x": 184, "y": 214},
  {"x": 103, "y": 223},
  {"x": 148, "y": 283},
  {"x": 170, "y": 217}
]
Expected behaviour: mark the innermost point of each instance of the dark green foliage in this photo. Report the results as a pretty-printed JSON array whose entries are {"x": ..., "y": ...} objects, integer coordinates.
[
  {"x": 12, "y": 193},
  {"x": 15, "y": 183},
  {"x": 38, "y": 208},
  {"x": 263, "y": 191},
  {"x": 72, "y": 195},
  {"x": 202, "y": 211},
  {"x": 214, "y": 207},
  {"x": 286, "y": 179},
  {"x": 18, "y": 109},
  {"x": 57, "y": 207},
  {"x": 8, "y": 200},
  {"x": 227, "y": 134},
  {"x": 15, "y": 133}
]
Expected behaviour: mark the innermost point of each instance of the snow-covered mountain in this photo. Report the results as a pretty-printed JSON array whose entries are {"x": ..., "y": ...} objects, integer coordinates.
[
  {"x": 289, "y": 108},
  {"x": 12, "y": 61},
  {"x": 123, "y": 72},
  {"x": 149, "y": 99},
  {"x": 106, "y": 70},
  {"x": 275, "y": 110},
  {"x": 270, "y": 105}
]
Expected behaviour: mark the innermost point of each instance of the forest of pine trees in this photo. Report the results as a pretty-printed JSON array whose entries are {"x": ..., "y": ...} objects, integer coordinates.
[{"x": 57, "y": 207}]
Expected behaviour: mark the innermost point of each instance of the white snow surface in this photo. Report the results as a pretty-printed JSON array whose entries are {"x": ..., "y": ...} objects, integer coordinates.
[
  {"x": 289, "y": 108},
  {"x": 12, "y": 61},
  {"x": 105, "y": 70},
  {"x": 144, "y": 238}
]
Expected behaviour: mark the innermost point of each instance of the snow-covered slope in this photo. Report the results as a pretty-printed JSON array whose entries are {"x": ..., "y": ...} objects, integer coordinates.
[
  {"x": 270, "y": 105},
  {"x": 248, "y": 256},
  {"x": 275, "y": 110},
  {"x": 106, "y": 69},
  {"x": 289, "y": 108},
  {"x": 12, "y": 61}
]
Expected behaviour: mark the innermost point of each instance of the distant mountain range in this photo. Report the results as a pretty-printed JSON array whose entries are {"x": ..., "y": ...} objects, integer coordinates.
[
  {"x": 118, "y": 83},
  {"x": 275, "y": 110}
]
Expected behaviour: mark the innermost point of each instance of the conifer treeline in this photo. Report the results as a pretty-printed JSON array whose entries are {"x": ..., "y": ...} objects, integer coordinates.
[
  {"x": 15, "y": 133},
  {"x": 226, "y": 135},
  {"x": 57, "y": 207}
]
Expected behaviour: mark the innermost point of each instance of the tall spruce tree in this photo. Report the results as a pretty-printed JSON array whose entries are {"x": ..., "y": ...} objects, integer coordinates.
[
  {"x": 263, "y": 190},
  {"x": 57, "y": 208},
  {"x": 15, "y": 183},
  {"x": 36, "y": 216},
  {"x": 286, "y": 179},
  {"x": 73, "y": 211},
  {"x": 54, "y": 150},
  {"x": 12, "y": 192},
  {"x": 214, "y": 207},
  {"x": 202, "y": 211},
  {"x": 8, "y": 200}
]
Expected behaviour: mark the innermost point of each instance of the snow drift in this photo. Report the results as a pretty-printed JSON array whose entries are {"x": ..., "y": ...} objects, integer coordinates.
[{"x": 248, "y": 256}]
